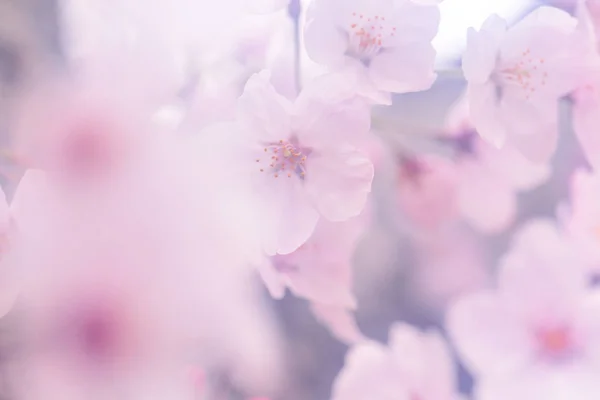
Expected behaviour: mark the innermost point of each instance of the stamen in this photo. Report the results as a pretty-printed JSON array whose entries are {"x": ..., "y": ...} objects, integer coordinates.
[{"x": 292, "y": 161}]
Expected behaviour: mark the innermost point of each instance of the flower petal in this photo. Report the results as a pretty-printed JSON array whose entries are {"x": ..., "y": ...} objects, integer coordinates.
[
  {"x": 403, "y": 69},
  {"x": 262, "y": 109},
  {"x": 486, "y": 334},
  {"x": 484, "y": 113},
  {"x": 339, "y": 181},
  {"x": 479, "y": 59},
  {"x": 487, "y": 203}
]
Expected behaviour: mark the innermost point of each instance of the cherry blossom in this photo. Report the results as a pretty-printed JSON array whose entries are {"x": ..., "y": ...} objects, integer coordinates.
[
  {"x": 517, "y": 75},
  {"x": 82, "y": 130},
  {"x": 297, "y": 159},
  {"x": 385, "y": 44},
  {"x": 450, "y": 263},
  {"x": 536, "y": 334},
  {"x": 415, "y": 365},
  {"x": 427, "y": 191}
]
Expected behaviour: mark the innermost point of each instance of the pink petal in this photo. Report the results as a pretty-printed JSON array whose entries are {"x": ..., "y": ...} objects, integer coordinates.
[
  {"x": 541, "y": 278},
  {"x": 564, "y": 382},
  {"x": 480, "y": 57},
  {"x": 325, "y": 43},
  {"x": 485, "y": 201},
  {"x": 339, "y": 181},
  {"x": 512, "y": 167},
  {"x": 287, "y": 215},
  {"x": 586, "y": 121},
  {"x": 328, "y": 110},
  {"x": 539, "y": 146},
  {"x": 367, "y": 374},
  {"x": 264, "y": 110},
  {"x": 424, "y": 361},
  {"x": 484, "y": 113},
  {"x": 416, "y": 21},
  {"x": 403, "y": 69},
  {"x": 487, "y": 335}
]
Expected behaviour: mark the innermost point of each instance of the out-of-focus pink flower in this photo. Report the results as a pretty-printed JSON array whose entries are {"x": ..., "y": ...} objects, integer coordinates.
[
  {"x": 121, "y": 279},
  {"x": 385, "y": 44},
  {"x": 416, "y": 365},
  {"x": 488, "y": 178},
  {"x": 80, "y": 130},
  {"x": 536, "y": 335},
  {"x": 517, "y": 75},
  {"x": 427, "y": 190},
  {"x": 297, "y": 159},
  {"x": 449, "y": 264}
]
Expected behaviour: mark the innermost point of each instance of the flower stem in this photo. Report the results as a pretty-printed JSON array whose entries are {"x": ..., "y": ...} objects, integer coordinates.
[{"x": 295, "y": 10}]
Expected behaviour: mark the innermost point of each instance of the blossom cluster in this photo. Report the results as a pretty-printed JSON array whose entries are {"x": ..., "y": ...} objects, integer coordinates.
[{"x": 188, "y": 157}]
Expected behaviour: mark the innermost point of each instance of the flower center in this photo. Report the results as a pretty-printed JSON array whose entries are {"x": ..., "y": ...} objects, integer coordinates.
[
  {"x": 368, "y": 35},
  {"x": 555, "y": 342},
  {"x": 284, "y": 159},
  {"x": 527, "y": 73}
]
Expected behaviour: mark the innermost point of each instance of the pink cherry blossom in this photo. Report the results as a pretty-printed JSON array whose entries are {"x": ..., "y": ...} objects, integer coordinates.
[
  {"x": 386, "y": 44},
  {"x": 297, "y": 159},
  {"x": 427, "y": 191},
  {"x": 82, "y": 129},
  {"x": 120, "y": 276},
  {"x": 536, "y": 335},
  {"x": 517, "y": 75},
  {"x": 415, "y": 365},
  {"x": 449, "y": 264}
]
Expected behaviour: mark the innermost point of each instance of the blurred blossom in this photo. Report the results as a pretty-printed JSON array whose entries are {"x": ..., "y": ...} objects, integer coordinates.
[
  {"x": 449, "y": 264},
  {"x": 415, "y": 365},
  {"x": 427, "y": 191},
  {"x": 123, "y": 278},
  {"x": 536, "y": 335}
]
